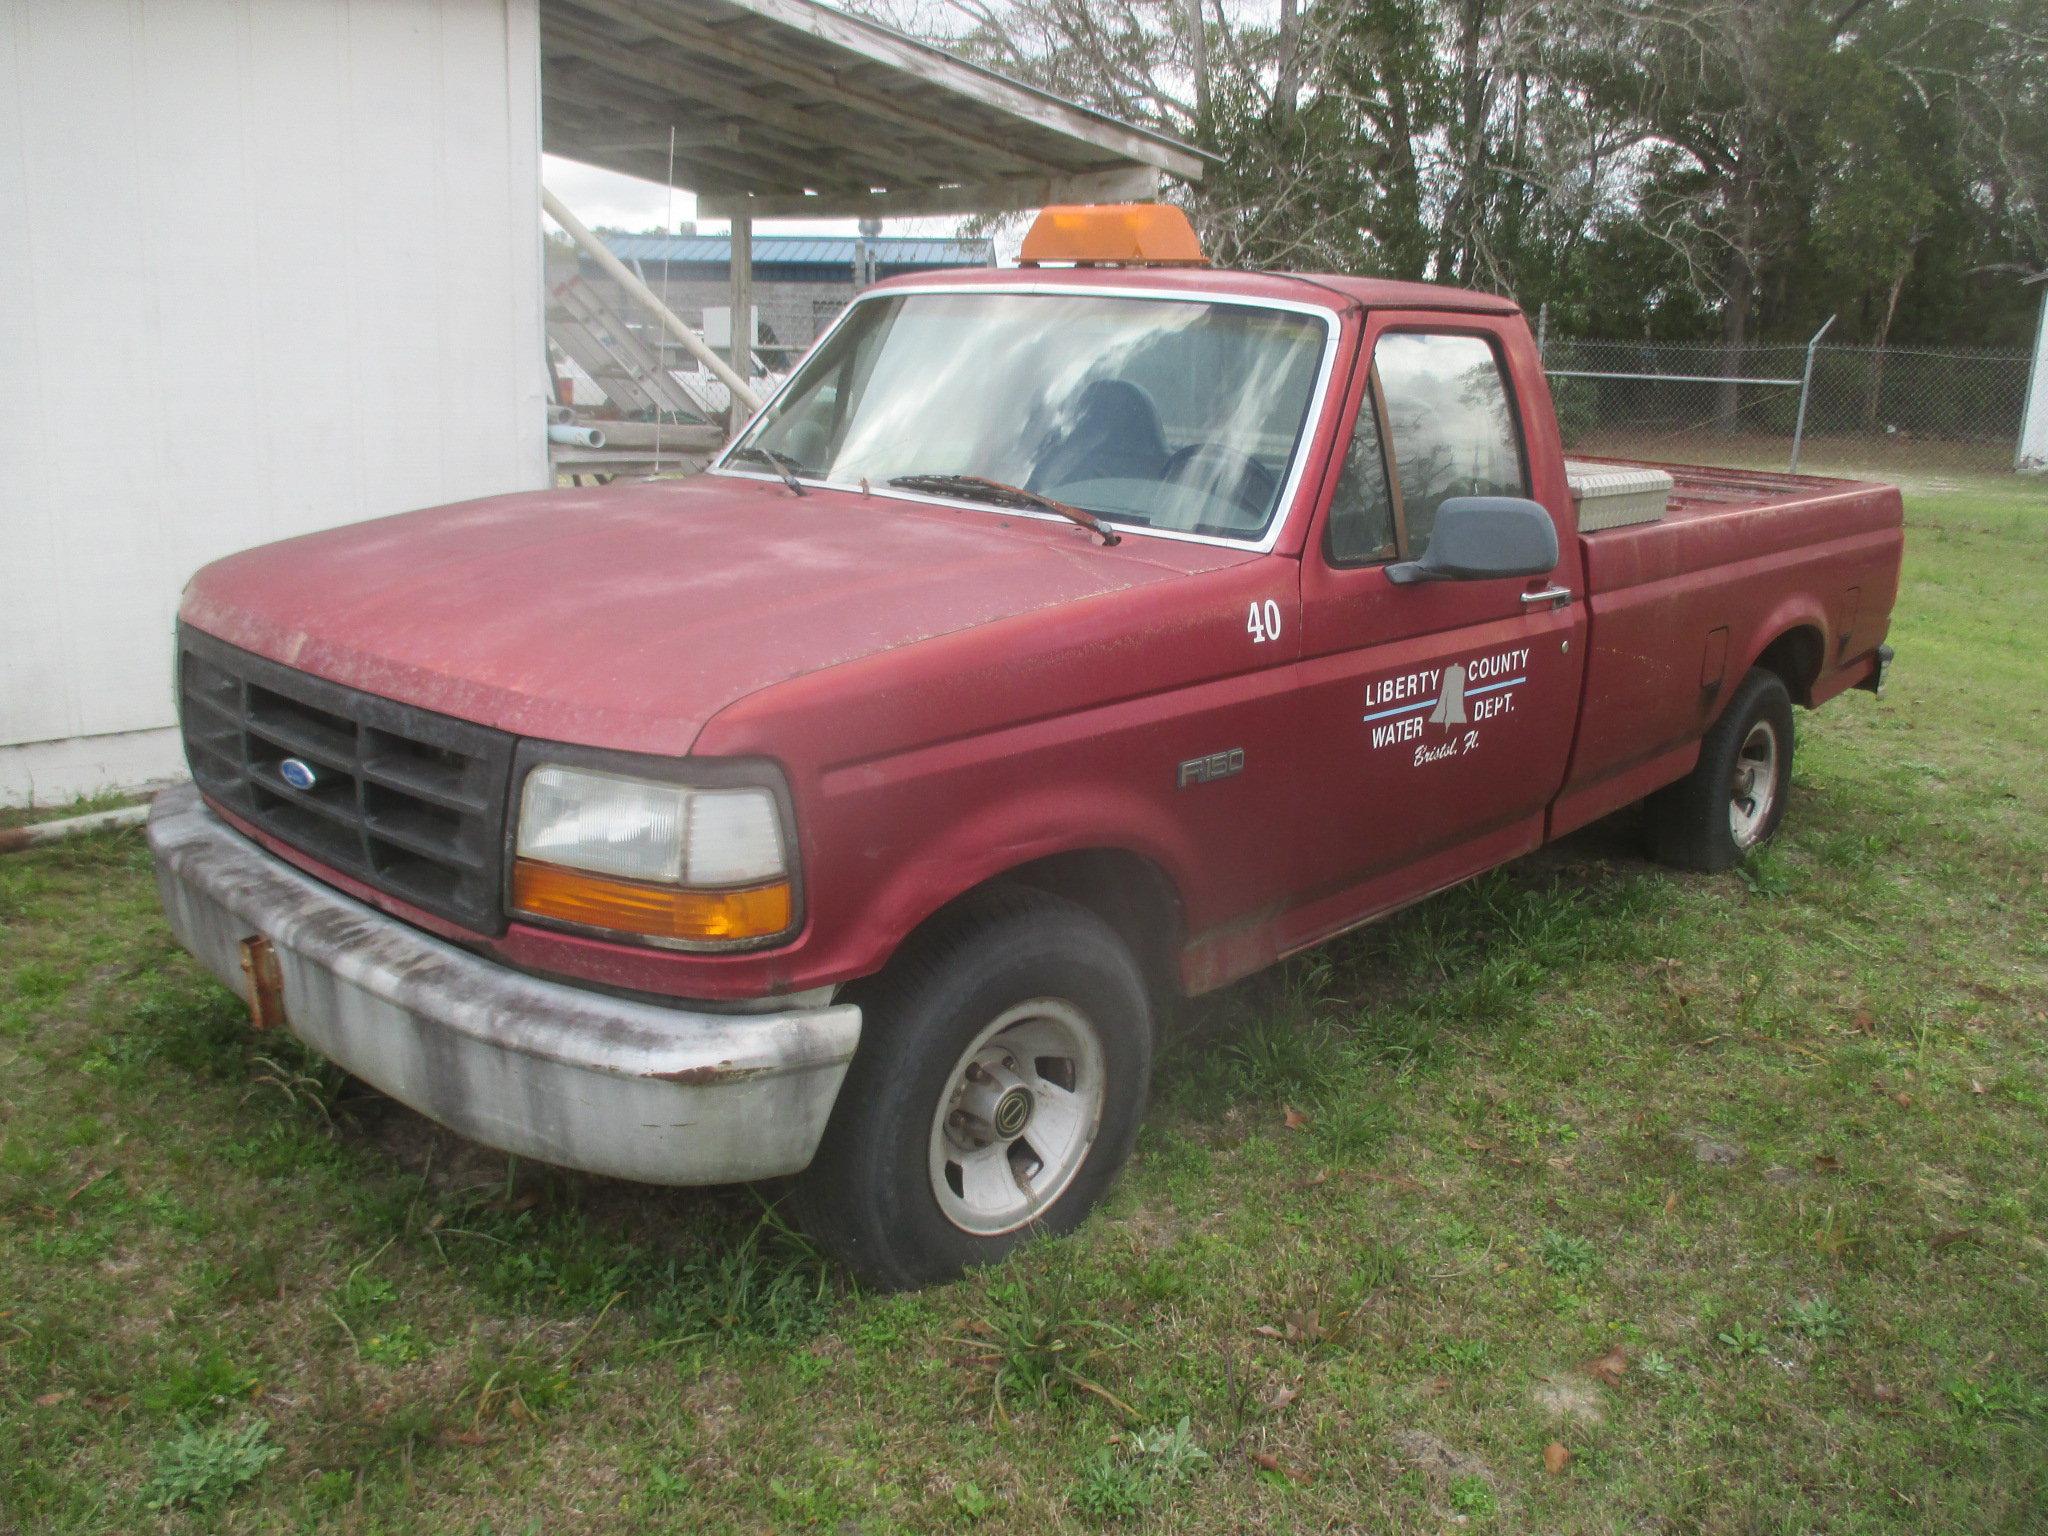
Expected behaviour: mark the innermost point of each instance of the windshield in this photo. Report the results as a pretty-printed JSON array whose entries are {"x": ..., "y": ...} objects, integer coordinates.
[{"x": 1154, "y": 413}]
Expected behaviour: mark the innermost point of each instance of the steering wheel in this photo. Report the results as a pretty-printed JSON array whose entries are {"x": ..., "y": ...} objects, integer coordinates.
[{"x": 1223, "y": 471}]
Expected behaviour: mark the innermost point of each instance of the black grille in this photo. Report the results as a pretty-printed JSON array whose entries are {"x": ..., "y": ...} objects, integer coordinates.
[{"x": 403, "y": 799}]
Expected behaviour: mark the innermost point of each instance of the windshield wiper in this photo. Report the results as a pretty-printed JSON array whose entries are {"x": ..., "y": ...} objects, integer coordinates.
[
  {"x": 980, "y": 488},
  {"x": 781, "y": 463}
]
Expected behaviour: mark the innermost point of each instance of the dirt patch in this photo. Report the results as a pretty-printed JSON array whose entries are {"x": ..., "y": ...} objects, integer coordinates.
[
  {"x": 1708, "y": 1152},
  {"x": 449, "y": 1163},
  {"x": 1418, "y": 1451},
  {"x": 1569, "y": 1397},
  {"x": 1151, "y": 1230}
]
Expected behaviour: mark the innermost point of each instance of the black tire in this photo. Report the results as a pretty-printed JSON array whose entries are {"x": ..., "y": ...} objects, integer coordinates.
[
  {"x": 1690, "y": 823},
  {"x": 868, "y": 1195}
]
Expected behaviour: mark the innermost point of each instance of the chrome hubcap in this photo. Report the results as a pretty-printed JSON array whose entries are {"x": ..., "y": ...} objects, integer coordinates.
[
  {"x": 994, "y": 1104},
  {"x": 1017, "y": 1117},
  {"x": 1755, "y": 790}
]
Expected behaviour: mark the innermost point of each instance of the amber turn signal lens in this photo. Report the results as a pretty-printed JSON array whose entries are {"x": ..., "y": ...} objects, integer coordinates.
[{"x": 654, "y": 911}]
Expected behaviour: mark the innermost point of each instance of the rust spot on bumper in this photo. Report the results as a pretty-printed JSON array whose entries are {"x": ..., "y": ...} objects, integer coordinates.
[
  {"x": 266, "y": 983},
  {"x": 705, "y": 1077}
]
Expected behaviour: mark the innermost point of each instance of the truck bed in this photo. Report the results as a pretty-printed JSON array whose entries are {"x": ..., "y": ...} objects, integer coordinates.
[
  {"x": 1706, "y": 490},
  {"x": 1680, "y": 609}
]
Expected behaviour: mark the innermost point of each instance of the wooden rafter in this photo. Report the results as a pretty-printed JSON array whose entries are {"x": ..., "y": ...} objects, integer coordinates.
[
  {"x": 669, "y": 84},
  {"x": 890, "y": 102},
  {"x": 807, "y": 110},
  {"x": 749, "y": 163},
  {"x": 1133, "y": 184}
]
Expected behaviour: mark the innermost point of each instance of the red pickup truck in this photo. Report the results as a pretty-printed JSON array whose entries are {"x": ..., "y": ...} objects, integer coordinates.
[{"x": 1057, "y": 642}]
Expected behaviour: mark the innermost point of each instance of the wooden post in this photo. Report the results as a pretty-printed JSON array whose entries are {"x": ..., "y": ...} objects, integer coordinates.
[{"x": 742, "y": 264}]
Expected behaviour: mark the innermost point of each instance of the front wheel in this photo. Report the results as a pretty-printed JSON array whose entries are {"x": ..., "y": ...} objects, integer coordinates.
[
  {"x": 1004, "y": 1064},
  {"x": 1734, "y": 798}
]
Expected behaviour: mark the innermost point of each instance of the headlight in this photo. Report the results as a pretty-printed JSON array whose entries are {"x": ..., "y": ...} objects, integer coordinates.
[{"x": 671, "y": 862}]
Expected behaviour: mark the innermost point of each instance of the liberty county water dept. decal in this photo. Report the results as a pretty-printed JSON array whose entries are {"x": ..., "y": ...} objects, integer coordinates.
[{"x": 1457, "y": 698}]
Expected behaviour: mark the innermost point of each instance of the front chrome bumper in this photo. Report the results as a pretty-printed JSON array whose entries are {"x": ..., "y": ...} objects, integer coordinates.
[{"x": 550, "y": 1071}]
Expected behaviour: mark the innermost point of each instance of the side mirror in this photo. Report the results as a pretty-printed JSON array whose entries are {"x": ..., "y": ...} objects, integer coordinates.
[{"x": 1480, "y": 538}]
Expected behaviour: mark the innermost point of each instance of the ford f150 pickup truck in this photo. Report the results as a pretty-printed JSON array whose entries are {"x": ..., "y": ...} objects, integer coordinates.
[{"x": 1057, "y": 642}]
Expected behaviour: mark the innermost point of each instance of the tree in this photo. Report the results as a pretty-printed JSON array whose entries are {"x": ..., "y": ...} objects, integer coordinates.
[{"x": 1662, "y": 168}]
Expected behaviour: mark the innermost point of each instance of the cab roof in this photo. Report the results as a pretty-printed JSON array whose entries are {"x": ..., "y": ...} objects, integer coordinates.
[
  {"x": 1394, "y": 293},
  {"x": 1323, "y": 290}
]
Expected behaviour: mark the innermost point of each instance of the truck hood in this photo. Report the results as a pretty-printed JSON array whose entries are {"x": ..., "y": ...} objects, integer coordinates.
[{"x": 626, "y": 617}]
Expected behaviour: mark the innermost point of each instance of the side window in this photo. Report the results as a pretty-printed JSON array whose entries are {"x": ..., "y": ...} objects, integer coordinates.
[
  {"x": 1452, "y": 425},
  {"x": 1361, "y": 527}
]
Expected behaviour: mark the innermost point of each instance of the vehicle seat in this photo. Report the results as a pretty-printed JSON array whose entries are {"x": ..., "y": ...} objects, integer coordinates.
[
  {"x": 1115, "y": 436},
  {"x": 1233, "y": 492},
  {"x": 808, "y": 443}
]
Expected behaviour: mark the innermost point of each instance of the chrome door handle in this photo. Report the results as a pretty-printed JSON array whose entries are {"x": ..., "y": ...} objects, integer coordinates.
[{"x": 1557, "y": 597}]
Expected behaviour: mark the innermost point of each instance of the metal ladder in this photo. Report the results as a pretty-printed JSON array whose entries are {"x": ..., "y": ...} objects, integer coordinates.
[{"x": 617, "y": 361}]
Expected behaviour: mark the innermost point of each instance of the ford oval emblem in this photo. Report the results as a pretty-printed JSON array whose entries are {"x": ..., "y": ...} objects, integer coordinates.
[{"x": 298, "y": 774}]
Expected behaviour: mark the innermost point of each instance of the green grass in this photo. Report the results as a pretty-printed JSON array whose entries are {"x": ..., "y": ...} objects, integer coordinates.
[
  {"x": 26, "y": 815},
  {"x": 1733, "y": 1187}
]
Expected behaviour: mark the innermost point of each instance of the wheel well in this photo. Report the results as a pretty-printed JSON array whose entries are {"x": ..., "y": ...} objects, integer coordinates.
[
  {"x": 1796, "y": 657},
  {"x": 1126, "y": 890}
]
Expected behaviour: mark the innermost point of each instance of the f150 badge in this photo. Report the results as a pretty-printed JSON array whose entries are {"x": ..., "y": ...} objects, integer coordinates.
[
  {"x": 1204, "y": 770},
  {"x": 1401, "y": 708}
]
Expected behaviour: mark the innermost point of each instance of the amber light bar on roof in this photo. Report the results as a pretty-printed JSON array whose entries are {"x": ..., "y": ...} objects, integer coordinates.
[{"x": 1113, "y": 235}]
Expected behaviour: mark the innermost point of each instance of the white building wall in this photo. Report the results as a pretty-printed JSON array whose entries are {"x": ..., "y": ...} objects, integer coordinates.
[{"x": 263, "y": 269}]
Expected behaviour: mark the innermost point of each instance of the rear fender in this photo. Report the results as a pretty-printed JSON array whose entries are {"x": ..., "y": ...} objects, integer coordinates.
[{"x": 1801, "y": 611}]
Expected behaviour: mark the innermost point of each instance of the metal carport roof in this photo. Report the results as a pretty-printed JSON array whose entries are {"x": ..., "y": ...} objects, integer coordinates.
[{"x": 789, "y": 109}]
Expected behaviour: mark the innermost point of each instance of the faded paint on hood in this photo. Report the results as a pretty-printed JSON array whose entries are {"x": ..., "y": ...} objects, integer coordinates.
[{"x": 627, "y": 617}]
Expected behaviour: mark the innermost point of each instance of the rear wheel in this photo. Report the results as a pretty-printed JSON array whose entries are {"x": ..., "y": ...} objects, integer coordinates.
[
  {"x": 1734, "y": 798},
  {"x": 1003, "y": 1068}
]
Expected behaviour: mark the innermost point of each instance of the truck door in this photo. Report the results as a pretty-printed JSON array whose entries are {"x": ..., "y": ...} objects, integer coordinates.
[{"x": 1436, "y": 718}]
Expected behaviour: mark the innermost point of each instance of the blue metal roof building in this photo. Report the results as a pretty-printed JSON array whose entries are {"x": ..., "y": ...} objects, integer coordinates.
[{"x": 798, "y": 258}]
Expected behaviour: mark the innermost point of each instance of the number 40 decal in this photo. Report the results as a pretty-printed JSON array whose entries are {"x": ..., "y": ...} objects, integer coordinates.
[{"x": 1262, "y": 623}]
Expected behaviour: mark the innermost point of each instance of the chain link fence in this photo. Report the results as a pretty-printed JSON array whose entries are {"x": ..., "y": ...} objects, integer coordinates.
[
  {"x": 1887, "y": 412},
  {"x": 1867, "y": 409}
]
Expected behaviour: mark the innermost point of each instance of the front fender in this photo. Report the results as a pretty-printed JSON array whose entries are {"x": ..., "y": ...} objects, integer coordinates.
[{"x": 994, "y": 839}]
